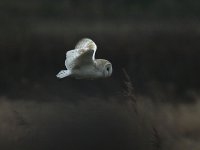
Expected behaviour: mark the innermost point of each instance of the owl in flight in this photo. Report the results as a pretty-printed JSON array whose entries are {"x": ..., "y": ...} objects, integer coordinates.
[{"x": 81, "y": 62}]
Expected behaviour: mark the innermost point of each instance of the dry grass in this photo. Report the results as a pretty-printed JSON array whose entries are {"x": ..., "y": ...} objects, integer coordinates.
[
  {"x": 132, "y": 122},
  {"x": 95, "y": 124}
]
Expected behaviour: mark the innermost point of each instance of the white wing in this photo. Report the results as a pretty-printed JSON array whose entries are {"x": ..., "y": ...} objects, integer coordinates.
[
  {"x": 83, "y": 54},
  {"x": 87, "y": 44},
  {"x": 71, "y": 56}
]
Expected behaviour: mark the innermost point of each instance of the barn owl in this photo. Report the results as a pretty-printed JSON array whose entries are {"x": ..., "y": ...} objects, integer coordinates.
[{"x": 81, "y": 62}]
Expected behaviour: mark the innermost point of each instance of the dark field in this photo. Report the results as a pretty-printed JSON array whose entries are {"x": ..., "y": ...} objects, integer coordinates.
[{"x": 156, "y": 42}]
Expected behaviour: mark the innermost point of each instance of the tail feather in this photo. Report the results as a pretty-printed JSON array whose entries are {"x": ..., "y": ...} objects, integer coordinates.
[{"x": 63, "y": 73}]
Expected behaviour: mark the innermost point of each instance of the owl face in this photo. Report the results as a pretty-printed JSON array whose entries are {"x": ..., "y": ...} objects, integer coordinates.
[
  {"x": 107, "y": 70},
  {"x": 104, "y": 66}
]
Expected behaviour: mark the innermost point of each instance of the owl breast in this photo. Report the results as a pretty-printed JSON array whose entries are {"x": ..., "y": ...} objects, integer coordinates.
[{"x": 87, "y": 72}]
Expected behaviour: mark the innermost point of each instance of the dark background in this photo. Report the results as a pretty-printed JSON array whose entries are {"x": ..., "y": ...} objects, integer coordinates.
[{"x": 156, "y": 41}]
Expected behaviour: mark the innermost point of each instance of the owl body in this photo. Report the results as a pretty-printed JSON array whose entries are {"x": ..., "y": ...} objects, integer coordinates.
[
  {"x": 81, "y": 62},
  {"x": 86, "y": 72}
]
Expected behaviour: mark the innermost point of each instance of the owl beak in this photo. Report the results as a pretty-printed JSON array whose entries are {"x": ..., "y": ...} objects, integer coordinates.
[
  {"x": 105, "y": 74},
  {"x": 111, "y": 70},
  {"x": 107, "y": 70}
]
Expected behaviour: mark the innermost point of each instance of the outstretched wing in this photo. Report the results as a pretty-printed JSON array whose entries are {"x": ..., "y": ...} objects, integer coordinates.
[
  {"x": 87, "y": 44},
  {"x": 83, "y": 54},
  {"x": 71, "y": 57}
]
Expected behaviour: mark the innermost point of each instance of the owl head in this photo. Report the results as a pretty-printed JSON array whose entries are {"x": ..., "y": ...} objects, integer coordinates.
[
  {"x": 107, "y": 70},
  {"x": 105, "y": 67}
]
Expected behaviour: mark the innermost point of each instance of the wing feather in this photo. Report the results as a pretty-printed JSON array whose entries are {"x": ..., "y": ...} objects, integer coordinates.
[
  {"x": 87, "y": 43},
  {"x": 71, "y": 56},
  {"x": 83, "y": 54},
  {"x": 78, "y": 57}
]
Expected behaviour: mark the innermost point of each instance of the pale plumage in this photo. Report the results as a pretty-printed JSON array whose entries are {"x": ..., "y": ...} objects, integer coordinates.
[{"x": 81, "y": 62}]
